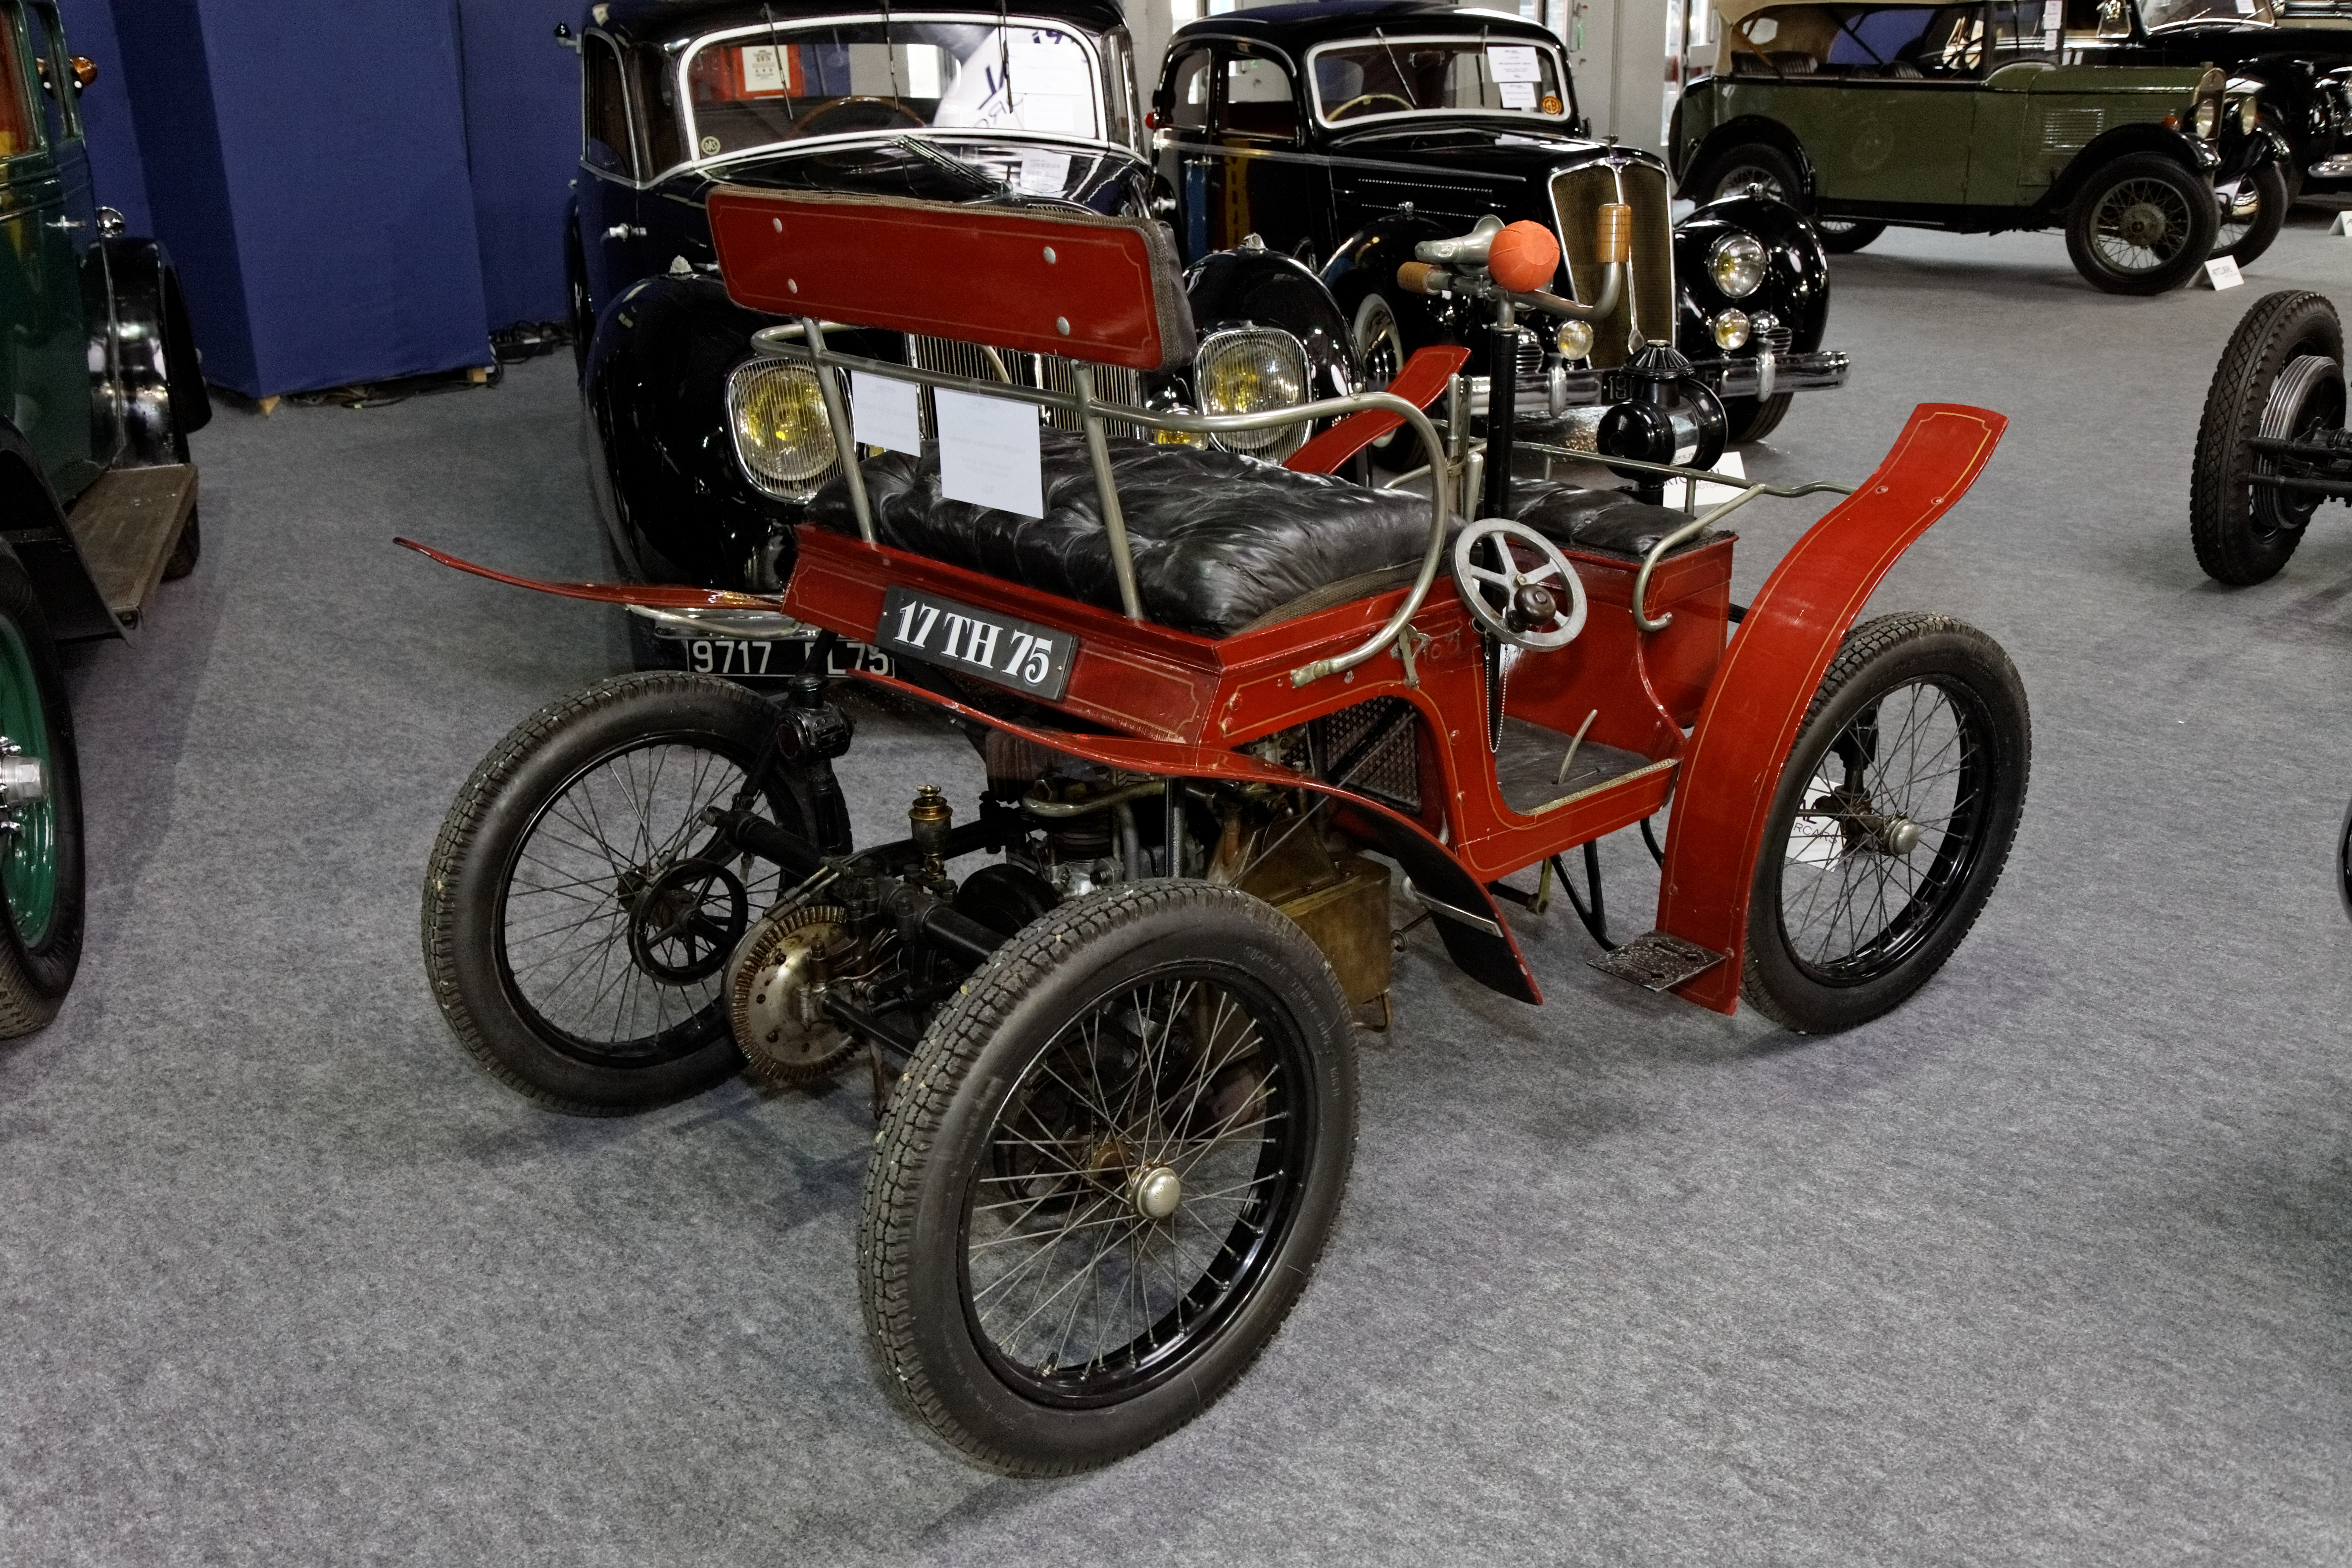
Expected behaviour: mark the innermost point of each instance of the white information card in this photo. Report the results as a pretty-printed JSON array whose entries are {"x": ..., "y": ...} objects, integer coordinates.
[
  {"x": 2222, "y": 272},
  {"x": 1513, "y": 62},
  {"x": 989, "y": 453},
  {"x": 888, "y": 413}
]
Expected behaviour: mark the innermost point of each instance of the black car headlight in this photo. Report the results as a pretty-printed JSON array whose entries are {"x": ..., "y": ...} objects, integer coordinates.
[
  {"x": 1736, "y": 262},
  {"x": 2206, "y": 118},
  {"x": 776, "y": 414},
  {"x": 1252, "y": 370},
  {"x": 2250, "y": 114}
]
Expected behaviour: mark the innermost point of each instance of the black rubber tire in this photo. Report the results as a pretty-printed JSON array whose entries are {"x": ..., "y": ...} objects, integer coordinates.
[
  {"x": 187, "y": 549},
  {"x": 1843, "y": 236},
  {"x": 1728, "y": 174},
  {"x": 1753, "y": 419},
  {"x": 2237, "y": 543},
  {"x": 1399, "y": 451},
  {"x": 1877, "y": 659},
  {"x": 2269, "y": 216},
  {"x": 937, "y": 1140},
  {"x": 474, "y": 861},
  {"x": 36, "y": 976},
  {"x": 2344, "y": 862},
  {"x": 2194, "y": 208}
]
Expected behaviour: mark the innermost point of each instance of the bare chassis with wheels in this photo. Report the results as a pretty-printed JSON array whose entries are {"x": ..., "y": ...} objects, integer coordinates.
[{"x": 1114, "y": 1067}]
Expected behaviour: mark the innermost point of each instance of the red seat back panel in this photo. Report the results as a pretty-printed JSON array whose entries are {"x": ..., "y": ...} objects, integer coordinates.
[{"x": 1106, "y": 291}]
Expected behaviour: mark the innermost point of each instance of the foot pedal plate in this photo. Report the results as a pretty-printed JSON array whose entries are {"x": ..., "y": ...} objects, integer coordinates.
[{"x": 1657, "y": 961}]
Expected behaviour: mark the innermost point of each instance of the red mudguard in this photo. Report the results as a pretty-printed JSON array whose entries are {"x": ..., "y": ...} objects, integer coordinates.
[{"x": 1772, "y": 668}]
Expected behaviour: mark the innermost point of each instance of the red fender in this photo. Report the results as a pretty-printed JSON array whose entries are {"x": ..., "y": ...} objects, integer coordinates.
[
  {"x": 652, "y": 595},
  {"x": 1491, "y": 958},
  {"x": 1772, "y": 668}
]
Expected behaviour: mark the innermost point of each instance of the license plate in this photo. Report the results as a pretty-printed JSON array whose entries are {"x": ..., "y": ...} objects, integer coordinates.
[
  {"x": 751, "y": 658},
  {"x": 1032, "y": 659}
]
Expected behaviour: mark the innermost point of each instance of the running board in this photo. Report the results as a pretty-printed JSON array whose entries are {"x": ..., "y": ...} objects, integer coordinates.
[
  {"x": 1657, "y": 961},
  {"x": 126, "y": 524}
]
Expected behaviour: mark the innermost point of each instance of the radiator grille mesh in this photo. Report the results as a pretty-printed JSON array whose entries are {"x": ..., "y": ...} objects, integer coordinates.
[
  {"x": 1577, "y": 196},
  {"x": 1370, "y": 747},
  {"x": 1113, "y": 383}
]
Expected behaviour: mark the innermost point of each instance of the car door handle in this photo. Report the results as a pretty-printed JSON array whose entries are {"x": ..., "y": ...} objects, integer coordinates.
[{"x": 625, "y": 231}]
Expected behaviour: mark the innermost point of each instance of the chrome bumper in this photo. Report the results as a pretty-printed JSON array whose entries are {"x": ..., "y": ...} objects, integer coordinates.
[{"x": 1760, "y": 375}]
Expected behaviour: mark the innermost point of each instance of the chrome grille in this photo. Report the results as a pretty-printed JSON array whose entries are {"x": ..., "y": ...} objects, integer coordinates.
[
  {"x": 1113, "y": 383},
  {"x": 1577, "y": 196}
]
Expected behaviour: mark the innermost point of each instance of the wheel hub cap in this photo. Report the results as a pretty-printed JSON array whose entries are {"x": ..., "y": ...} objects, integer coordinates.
[
  {"x": 1156, "y": 1191},
  {"x": 2143, "y": 225}
]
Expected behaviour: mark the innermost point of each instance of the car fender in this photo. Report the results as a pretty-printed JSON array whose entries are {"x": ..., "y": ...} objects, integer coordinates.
[
  {"x": 1773, "y": 666},
  {"x": 675, "y": 502},
  {"x": 1250, "y": 287},
  {"x": 33, "y": 532},
  {"x": 1745, "y": 128},
  {"x": 1796, "y": 287},
  {"x": 2144, "y": 136},
  {"x": 153, "y": 353},
  {"x": 1368, "y": 259}
]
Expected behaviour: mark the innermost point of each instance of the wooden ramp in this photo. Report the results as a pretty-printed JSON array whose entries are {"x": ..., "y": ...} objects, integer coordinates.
[{"x": 126, "y": 524}]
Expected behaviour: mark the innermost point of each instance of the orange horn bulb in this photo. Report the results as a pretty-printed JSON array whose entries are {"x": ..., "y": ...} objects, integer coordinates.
[{"x": 1524, "y": 256}]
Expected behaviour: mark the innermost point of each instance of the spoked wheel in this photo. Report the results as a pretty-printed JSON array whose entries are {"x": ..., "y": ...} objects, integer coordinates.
[
  {"x": 2281, "y": 377},
  {"x": 1108, "y": 1175},
  {"x": 2253, "y": 217},
  {"x": 1756, "y": 165},
  {"x": 1892, "y": 821},
  {"x": 40, "y": 816},
  {"x": 2142, "y": 224},
  {"x": 577, "y": 918}
]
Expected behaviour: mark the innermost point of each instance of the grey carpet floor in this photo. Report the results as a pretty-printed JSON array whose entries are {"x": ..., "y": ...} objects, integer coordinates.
[{"x": 2053, "y": 1265}]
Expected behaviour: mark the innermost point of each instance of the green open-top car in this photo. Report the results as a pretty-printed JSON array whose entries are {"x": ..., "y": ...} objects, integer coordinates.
[{"x": 1965, "y": 117}]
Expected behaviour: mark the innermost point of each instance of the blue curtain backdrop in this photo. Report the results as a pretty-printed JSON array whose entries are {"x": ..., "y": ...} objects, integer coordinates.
[{"x": 351, "y": 192}]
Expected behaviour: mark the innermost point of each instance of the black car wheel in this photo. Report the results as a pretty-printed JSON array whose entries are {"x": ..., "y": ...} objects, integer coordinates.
[
  {"x": 41, "y": 849},
  {"x": 2253, "y": 217},
  {"x": 1843, "y": 236},
  {"x": 2282, "y": 376},
  {"x": 1107, "y": 1174},
  {"x": 1381, "y": 348},
  {"x": 1755, "y": 164},
  {"x": 576, "y": 932},
  {"x": 2142, "y": 224},
  {"x": 1893, "y": 818},
  {"x": 2344, "y": 861},
  {"x": 1753, "y": 419}
]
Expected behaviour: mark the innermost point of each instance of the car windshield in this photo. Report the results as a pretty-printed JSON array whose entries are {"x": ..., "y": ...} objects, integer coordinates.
[
  {"x": 1366, "y": 79},
  {"x": 2155, "y": 13},
  {"x": 760, "y": 87}
]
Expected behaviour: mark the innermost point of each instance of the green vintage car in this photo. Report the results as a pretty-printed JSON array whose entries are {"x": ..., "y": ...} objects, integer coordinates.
[
  {"x": 1966, "y": 117},
  {"x": 100, "y": 386}
]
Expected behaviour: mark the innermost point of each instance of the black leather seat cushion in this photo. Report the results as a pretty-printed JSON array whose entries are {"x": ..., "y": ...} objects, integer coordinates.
[
  {"x": 1609, "y": 523},
  {"x": 1218, "y": 540}
]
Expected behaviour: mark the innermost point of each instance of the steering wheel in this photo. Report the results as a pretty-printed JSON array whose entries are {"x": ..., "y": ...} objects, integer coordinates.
[
  {"x": 1341, "y": 112},
  {"x": 889, "y": 105},
  {"x": 1519, "y": 606}
]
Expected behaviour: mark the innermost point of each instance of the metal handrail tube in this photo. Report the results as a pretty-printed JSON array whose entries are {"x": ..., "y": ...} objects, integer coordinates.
[{"x": 772, "y": 343}]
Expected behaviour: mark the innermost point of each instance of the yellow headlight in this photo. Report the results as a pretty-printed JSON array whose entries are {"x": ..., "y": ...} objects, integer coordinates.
[
  {"x": 1736, "y": 262},
  {"x": 776, "y": 414},
  {"x": 1575, "y": 338},
  {"x": 1250, "y": 371},
  {"x": 2206, "y": 118},
  {"x": 2250, "y": 114},
  {"x": 1731, "y": 330}
]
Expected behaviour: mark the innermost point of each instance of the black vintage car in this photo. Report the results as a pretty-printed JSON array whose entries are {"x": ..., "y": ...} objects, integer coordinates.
[
  {"x": 2288, "y": 82},
  {"x": 1344, "y": 133},
  {"x": 704, "y": 455}
]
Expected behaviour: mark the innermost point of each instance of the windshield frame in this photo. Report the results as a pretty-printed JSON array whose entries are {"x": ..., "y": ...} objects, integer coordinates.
[
  {"x": 2265, "y": 14},
  {"x": 1097, "y": 64},
  {"x": 1563, "y": 119}
]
